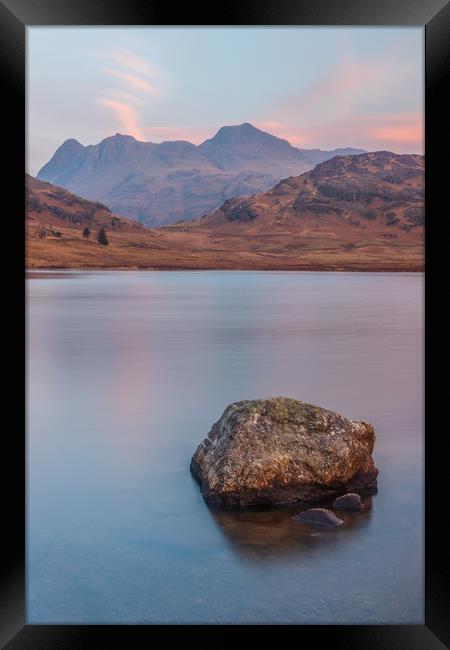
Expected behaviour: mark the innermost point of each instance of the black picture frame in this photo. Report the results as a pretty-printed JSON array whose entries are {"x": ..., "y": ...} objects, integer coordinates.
[{"x": 434, "y": 15}]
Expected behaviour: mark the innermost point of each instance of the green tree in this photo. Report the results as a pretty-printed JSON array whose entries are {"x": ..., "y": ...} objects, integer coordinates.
[{"x": 102, "y": 238}]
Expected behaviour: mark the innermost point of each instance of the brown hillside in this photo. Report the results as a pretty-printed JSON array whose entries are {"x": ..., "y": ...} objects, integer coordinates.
[{"x": 363, "y": 212}]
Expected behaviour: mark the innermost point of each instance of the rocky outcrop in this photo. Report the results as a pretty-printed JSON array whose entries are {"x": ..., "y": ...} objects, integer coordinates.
[
  {"x": 281, "y": 450},
  {"x": 365, "y": 189}
]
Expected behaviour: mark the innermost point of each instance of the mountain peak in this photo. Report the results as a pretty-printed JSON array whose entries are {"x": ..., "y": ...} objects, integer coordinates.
[
  {"x": 69, "y": 147},
  {"x": 71, "y": 142},
  {"x": 239, "y": 132},
  {"x": 118, "y": 138},
  {"x": 70, "y": 150},
  {"x": 123, "y": 136},
  {"x": 246, "y": 126},
  {"x": 247, "y": 148}
]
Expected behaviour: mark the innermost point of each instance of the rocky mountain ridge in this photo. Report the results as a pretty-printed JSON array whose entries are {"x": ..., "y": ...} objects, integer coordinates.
[{"x": 159, "y": 184}]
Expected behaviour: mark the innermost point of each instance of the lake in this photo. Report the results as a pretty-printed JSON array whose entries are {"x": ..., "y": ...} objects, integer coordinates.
[{"x": 127, "y": 371}]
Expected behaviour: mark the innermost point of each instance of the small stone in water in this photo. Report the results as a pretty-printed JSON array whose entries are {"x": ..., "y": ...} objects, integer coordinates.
[
  {"x": 318, "y": 517},
  {"x": 350, "y": 501}
]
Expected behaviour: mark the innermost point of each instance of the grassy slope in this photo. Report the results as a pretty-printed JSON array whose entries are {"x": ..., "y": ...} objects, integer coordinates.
[
  {"x": 279, "y": 238},
  {"x": 200, "y": 250}
]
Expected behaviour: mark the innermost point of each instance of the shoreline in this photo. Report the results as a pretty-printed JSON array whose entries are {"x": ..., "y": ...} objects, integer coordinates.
[{"x": 291, "y": 269}]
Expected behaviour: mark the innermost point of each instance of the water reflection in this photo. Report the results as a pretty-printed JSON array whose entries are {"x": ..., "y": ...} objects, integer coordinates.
[
  {"x": 271, "y": 533},
  {"x": 53, "y": 275},
  {"x": 127, "y": 372}
]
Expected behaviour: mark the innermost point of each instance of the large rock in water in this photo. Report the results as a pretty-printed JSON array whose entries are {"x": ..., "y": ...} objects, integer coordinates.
[{"x": 280, "y": 450}]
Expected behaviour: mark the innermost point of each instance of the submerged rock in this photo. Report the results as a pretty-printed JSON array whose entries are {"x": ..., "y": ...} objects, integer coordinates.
[
  {"x": 318, "y": 517},
  {"x": 281, "y": 450},
  {"x": 350, "y": 501}
]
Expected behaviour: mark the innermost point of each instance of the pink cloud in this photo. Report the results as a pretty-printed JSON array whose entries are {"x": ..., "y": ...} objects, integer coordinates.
[
  {"x": 131, "y": 70},
  {"x": 133, "y": 81},
  {"x": 401, "y": 132},
  {"x": 125, "y": 96},
  {"x": 347, "y": 105},
  {"x": 127, "y": 117},
  {"x": 132, "y": 61},
  {"x": 353, "y": 85},
  {"x": 348, "y": 85}
]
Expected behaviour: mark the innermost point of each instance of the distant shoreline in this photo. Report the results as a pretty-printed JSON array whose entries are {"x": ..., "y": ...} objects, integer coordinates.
[{"x": 305, "y": 268}]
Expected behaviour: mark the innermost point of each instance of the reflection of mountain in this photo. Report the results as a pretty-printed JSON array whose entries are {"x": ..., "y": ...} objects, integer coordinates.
[
  {"x": 159, "y": 184},
  {"x": 271, "y": 534}
]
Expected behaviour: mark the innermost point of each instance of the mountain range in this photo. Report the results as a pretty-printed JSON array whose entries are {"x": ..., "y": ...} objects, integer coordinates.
[
  {"x": 159, "y": 184},
  {"x": 353, "y": 212}
]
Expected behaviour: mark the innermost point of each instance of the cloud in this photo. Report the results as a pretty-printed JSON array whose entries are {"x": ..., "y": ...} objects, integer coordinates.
[
  {"x": 370, "y": 102},
  {"x": 138, "y": 78},
  {"x": 133, "y": 82},
  {"x": 126, "y": 115},
  {"x": 131, "y": 61},
  {"x": 352, "y": 104},
  {"x": 400, "y": 132},
  {"x": 401, "y": 129},
  {"x": 355, "y": 85},
  {"x": 122, "y": 95}
]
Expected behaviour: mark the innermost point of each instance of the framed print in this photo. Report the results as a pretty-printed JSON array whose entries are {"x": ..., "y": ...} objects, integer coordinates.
[{"x": 227, "y": 400}]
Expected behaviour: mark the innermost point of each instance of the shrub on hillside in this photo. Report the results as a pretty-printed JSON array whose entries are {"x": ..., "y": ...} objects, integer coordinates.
[{"x": 102, "y": 238}]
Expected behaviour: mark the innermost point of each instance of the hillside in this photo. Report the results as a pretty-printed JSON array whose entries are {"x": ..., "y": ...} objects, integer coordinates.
[
  {"x": 372, "y": 191},
  {"x": 54, "y": 206},
  {"x": 55, "y": 221},
  {"x": 159, "y": 184},
  {"x": 363, "y": 212}
]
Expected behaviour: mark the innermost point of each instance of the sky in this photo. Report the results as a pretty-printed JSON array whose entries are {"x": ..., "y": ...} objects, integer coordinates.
[{"x": 315, "y": 87}]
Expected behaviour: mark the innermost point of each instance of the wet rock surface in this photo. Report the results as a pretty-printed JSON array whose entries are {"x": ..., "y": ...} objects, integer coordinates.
[
  {"x": 281, "y": 450},
  {"x": 350, "y": 501},
  {"x": 320, "y": 517}
]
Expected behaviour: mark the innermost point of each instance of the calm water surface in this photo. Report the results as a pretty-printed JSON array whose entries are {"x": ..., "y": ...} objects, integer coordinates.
[{"x": 126, "y": 373}]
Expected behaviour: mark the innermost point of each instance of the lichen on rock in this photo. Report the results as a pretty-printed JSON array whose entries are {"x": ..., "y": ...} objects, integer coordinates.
[{"x": 281, "y": 450}]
